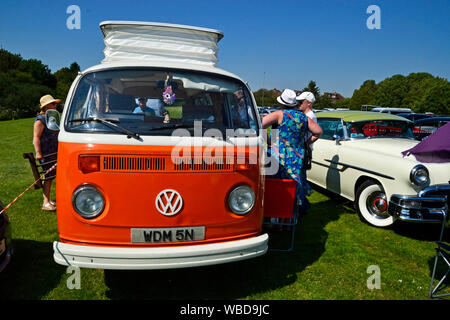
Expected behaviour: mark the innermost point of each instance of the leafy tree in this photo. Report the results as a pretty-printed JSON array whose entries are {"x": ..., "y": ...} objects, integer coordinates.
[
  {"x": 24, "y": 82},
  {"x": 364, "y": 95},
  {"x": 40, "y": 72},
  {"x": 313, "y": 88},
  {"x": 417, "y": 83},
  {"x": 74, "y": 67},
  {"x": 265, "y": 97},
  {"x": 435, "y": 97},
  {"x": 64, "y": 78},
  {"x": 9, "y": 61},
  {"x": 345, "y": 103},
  {"x": 391, "y": 92}
]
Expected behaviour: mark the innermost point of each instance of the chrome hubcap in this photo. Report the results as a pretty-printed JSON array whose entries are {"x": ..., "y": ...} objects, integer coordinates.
[{"x": 377, "y": 205}]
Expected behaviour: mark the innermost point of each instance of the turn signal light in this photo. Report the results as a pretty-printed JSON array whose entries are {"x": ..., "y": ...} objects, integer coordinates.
[{"x": 88, "y": 164}]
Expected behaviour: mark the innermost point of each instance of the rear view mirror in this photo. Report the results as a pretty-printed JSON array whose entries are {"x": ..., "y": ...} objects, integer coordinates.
[{"x": 52, "y": 118}]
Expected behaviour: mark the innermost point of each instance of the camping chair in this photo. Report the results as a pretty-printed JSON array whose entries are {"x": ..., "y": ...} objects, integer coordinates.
[
  {"x": 442, "y": 251},
  {"x": 279, "y": 203},
  {"x": 36, "y": 168}
]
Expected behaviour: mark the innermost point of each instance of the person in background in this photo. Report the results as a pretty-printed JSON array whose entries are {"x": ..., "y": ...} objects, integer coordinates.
[
  {"x": 143, "y": 107},
  {"x": 45, "y": 143},
  {"x": 305, "y": 101},
  {"x": 293, "y": 126},
  {"x": 240, "y": 111}
]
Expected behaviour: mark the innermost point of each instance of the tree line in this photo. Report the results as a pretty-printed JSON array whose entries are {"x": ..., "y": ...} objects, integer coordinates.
[
  {"x": 421, "y": 92},
  {"x": 24, "y": 81}
]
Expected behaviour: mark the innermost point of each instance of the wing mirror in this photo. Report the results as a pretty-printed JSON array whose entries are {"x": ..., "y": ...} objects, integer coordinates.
[{"x": 52, "y": 118}]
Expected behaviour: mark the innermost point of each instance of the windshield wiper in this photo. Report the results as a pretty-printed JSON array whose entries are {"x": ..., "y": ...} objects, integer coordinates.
[
  {"x": 110, "y": 123},
  {"x": 173, "y": 126}
]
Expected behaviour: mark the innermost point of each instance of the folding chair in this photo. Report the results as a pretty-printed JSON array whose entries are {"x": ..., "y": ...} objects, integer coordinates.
[
  {"x": 279, "y": 206},
  {"x": 36, "y": 168},
  {"x": 442, "y": 251}
]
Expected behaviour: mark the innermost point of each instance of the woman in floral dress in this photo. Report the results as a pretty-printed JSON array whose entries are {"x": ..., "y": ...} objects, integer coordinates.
[{"x": 289, "y": 148}]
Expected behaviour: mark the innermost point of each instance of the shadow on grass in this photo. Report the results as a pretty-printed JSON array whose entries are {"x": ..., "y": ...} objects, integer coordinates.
[
  {"x": 421, "y": 231},
  {"x": 236, "y": 280},
  {"x": 31, "y": 274}
]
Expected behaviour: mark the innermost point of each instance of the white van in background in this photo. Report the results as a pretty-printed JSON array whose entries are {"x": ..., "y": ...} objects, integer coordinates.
[{"x": 392, "y": 110}]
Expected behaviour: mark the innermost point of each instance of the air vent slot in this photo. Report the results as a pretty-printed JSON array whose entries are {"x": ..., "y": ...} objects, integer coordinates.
[
  {"x": 150, "y": 163},
  {"x": 133, "y": 163},
  {"x": 202, "y": 165}
]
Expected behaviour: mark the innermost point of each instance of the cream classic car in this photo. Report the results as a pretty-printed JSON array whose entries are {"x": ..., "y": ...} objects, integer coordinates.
[{"x": 359, "y": 157}]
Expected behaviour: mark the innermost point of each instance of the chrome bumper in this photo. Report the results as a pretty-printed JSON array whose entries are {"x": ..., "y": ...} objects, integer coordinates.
[
  {"x": 159, "y": 258},
  {"x": 430, "y": 205}
]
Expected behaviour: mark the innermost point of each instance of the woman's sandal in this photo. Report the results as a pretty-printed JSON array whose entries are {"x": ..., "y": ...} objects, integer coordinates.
[{"x": 48, "y": 207}]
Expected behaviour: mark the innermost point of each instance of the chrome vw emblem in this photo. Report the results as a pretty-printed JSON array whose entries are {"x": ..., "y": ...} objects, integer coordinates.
[{"x": 169, "y": 202}]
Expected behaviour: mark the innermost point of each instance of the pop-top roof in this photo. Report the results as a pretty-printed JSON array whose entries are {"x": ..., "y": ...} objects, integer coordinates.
[{"x": 152, "y": 41}]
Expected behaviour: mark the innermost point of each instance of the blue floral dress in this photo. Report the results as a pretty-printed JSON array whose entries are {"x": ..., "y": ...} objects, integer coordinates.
[{"x": 289, "y": 151}]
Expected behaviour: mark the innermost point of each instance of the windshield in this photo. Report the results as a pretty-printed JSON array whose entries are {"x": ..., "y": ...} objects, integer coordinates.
[
  {"x": 157, "y": 102},
  {"x": 379, "y": 128}
]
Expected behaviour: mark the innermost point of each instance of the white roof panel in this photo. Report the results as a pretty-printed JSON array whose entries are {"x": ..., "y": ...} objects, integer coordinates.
[{"x": 152, "y": 41}]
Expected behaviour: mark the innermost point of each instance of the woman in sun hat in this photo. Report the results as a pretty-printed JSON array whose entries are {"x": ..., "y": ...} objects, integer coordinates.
[
  {"x": 289, "y": 149},
  {"x": 45, "y": 143}
]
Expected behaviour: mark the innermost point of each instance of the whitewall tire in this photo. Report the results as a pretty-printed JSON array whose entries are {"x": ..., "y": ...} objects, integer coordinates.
[{"x": 372, "y": 205}]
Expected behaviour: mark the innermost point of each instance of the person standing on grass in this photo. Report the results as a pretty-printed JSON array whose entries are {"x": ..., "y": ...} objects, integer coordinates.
[
  {"x": 293, "y": 126},
  {"x": 45, "y": 143},
  {"x": 305, "y": 101}
]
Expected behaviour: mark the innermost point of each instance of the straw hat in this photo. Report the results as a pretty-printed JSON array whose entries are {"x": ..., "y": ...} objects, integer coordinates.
[
  {"x": 287, "y": 98},
  {"x": 47, "y": 99}
]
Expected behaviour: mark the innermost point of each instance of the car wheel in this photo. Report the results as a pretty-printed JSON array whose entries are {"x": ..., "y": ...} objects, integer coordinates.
[{"x": 372, "y": 205}]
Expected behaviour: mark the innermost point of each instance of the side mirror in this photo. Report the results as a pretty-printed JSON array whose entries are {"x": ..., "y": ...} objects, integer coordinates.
[
  {"x": 52, "y": 118},
  {"x": 336, "y": 137}
]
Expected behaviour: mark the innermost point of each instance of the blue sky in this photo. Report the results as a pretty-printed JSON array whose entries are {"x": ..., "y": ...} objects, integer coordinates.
[{"x": 291, "y": 42}]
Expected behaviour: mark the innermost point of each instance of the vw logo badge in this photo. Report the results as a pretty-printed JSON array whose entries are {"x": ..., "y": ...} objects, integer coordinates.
[{"x": 169, "y": 202}]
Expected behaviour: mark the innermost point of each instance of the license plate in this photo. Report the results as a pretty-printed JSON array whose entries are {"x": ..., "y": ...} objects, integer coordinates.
[
  {"x": 2, "y": 246},
  {"x": 162, "y": 235}
]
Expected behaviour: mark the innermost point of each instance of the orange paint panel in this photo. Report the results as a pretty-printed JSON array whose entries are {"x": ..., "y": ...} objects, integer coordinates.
[{"x": 131, "y": 177}]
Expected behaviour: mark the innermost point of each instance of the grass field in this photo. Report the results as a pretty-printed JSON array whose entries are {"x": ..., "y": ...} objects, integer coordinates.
[{"x": 333, "y": 251}]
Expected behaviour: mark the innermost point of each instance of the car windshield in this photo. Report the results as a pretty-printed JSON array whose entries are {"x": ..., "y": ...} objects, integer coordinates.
[
  {"x": 157, "y": 102},
  {"x": 379, "y": 129}
]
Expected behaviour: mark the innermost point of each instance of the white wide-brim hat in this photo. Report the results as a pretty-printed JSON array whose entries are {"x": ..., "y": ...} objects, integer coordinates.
[
  {"x": 287, "y": 98},
  {"x": 47, "y": 99}
]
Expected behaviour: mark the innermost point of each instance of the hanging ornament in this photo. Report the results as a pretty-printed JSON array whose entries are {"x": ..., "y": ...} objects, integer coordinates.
[{"x": 169, "y": 96}]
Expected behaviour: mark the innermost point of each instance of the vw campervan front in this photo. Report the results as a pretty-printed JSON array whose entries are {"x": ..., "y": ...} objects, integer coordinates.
[{"x": 180, "y": 182}]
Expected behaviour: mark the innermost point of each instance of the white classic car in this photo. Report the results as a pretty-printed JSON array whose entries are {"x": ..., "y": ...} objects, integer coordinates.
[{"x": 359, "y": 157}]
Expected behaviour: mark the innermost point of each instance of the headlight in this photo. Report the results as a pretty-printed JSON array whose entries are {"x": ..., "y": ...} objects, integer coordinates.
[
  {"x": 241, "y": 200},
  {"x": 419, "y": 175},
  {"x": 88, "y": 202}
]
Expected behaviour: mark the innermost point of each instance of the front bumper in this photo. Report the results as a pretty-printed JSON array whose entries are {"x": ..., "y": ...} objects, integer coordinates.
[
  {"x": 430, "y": 205},
  {"x": 158, "y": 258}
]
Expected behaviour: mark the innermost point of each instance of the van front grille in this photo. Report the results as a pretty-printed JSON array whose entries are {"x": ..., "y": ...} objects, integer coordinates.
[
  {"x": 135, "y": 163},
  {"x": 203, "y": 165}
]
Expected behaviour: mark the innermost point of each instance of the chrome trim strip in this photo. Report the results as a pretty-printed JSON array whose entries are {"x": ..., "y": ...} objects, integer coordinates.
[
  {"x": 435, "y": 188},
  {"x": 356, "y": 168}
]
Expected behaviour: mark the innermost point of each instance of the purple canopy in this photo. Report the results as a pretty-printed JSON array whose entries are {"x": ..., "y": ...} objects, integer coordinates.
[{"x": 434, "y": 148}]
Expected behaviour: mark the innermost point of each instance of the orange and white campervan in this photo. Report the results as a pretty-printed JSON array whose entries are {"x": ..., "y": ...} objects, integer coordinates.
[{"x": 160, "y": 161}]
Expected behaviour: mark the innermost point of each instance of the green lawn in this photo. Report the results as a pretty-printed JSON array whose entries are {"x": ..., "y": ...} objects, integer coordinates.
[{"x": 333, "y": 250}]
